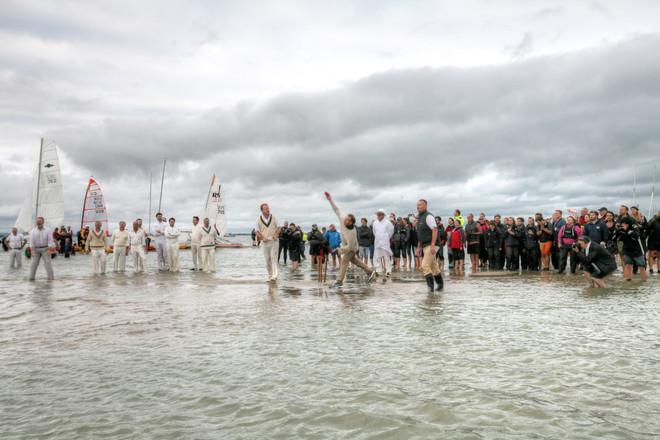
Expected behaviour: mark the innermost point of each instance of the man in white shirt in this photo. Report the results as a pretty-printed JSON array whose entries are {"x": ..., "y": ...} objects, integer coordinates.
[
  {"x": 120, "y": 243},
  {"x": 268, "y": 232},
  {"x": 383, "y": 231},
  {"x": 161, "y": 242},
  {"x": 41, "y": 246},
  {"x": 195, "y": 239},
  {"x": 15, "y": 243},
  {"x": 96, "y": 244},
  {"x": 137, "y": 247},
  {"x": 208, "y": 235},
  {"x": 172, "y": 236}
]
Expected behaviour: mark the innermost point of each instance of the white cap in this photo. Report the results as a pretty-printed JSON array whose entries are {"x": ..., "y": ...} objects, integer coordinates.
[{"x": 380, "y": 211}]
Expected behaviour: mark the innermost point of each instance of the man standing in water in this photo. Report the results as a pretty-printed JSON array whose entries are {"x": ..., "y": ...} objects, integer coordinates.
[
  {"x": 137, "y": 247},
  {"x": 596, "y": 260},
  {"x": 349, "y": 245},
  {"x": 97, "y": 241},
  {"x": 195, "y": 242},
  {"x": 161, "y": 242},
  {"x": 427, "y": 234},
  {"x": 268, "y": 233},
  {"x": 207, "y": 237},
  {"x": 42, "y": 245},
  {"x": 120, "y": 243},
  {"x": 383, "y": 231},
  {"x": 172, "y": 236},
  {"x": 15, "y": 242}
]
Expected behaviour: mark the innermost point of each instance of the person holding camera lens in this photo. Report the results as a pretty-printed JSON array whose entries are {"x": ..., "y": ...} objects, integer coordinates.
[
  {"x": 633, "y": 250},
  {"x": 596, "y": 260},
  {"x": 515, "y": 236}
]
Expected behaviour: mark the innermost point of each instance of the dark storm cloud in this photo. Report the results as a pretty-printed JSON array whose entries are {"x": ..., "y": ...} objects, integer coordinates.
[{"x": 578, "y": 113}]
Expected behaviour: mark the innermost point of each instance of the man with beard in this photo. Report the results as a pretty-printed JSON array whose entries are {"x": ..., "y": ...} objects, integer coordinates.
[
  {"x": 349, "y": 245},
  {"x": 365, "y": 240}
]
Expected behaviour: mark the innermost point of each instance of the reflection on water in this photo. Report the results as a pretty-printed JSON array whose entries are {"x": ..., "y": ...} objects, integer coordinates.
[{"x": 227, "y": 355}]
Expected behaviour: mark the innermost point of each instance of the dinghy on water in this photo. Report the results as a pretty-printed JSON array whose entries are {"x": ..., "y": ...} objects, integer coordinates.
[
  {"x": 215, "y": 210},
  {"x": 45, "y": 197}
]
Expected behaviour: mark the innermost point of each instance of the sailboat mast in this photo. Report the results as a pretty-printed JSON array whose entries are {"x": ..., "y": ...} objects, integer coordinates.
[
  {"x": 634, "y": 186},
  {"x": 36, "y": 205},
  {"x": 208, "y": 196},
  {"x": 651, "y": 205},
  {"x": 151, "y": 181},
  {"x": 162, "y": 179}
]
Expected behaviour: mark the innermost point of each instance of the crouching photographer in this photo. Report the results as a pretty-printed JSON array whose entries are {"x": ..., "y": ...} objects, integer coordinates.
[{"x": 596, "y": 260}]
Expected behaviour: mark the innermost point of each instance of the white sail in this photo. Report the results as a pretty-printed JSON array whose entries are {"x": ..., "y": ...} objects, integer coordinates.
[
  {"x": 46, "y": 195},
  {"x": 214, "y": 208},
  {"x": 94, "y": 207}
]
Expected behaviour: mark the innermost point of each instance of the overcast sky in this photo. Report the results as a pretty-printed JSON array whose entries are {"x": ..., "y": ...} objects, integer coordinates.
[{"x": 494, "y": 106}]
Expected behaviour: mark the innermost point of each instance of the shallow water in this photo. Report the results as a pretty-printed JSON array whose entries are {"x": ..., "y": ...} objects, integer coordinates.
[{"x": 193, "y": 355}]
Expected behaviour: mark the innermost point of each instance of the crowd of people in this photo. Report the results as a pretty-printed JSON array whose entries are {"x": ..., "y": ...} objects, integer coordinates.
[
  {"x": 516, "y": 244},
  {"x": 593, "y": 242}
]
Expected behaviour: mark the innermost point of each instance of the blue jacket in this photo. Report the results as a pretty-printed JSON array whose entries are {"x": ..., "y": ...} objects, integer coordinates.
[
  {"x": 333, "y": 238},
  {"x": 596, "y": 231}
]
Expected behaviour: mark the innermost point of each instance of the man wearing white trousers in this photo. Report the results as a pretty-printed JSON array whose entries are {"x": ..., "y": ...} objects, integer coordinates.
[
  {"x": 208, "y": 235},
  {"x": 268, "y": 232},
  {"x": 161, "y": 242},
  {"x": 195, "y": 238},
  {"x": 120, "y": 243},
  {"x": 383, "y": 231},
  {"x": 41, "y": 246},
  {"x": 172, "y": 236},
  {"x": 15, "y": 243},
  {"x": 97, "y": 241},
  {"x": 137, "y": 245}
]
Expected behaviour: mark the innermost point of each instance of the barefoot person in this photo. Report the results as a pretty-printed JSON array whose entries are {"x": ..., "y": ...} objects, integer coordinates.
[
  {"x": 427, "y": 234},
  {"x": 383, "y": 230},
  {"x": 42, "y": 245},
  {"x": 172, "y": 236},
  {"x": 596, "y": 260},
  {"x": 96, "y": 243},
  {"x": 268, "y": 233},
  {"x": 15, "y": 242},
  {"x": 349, "y": 245}
]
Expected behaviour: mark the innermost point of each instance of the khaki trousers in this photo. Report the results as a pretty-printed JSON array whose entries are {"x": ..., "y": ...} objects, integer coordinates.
[
  {"x": 429, "y": 262},
  {"x": 350, "y": 257}
]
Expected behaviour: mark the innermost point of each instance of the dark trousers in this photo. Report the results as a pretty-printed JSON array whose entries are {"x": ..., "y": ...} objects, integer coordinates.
[
  {"x": 302, "y": 250},
  {"x": 283, "y": 249},
  {"x": 493, "y": 258},
  {"x": 531, "y": 258},
  {"x": 555, "y": 256},
  {"x": 512, "y": 257},
  {"x": 564, "y": 253}
]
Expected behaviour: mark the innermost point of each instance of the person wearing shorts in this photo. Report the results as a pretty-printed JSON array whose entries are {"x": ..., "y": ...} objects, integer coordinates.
[{"x": 545, "y": 234}]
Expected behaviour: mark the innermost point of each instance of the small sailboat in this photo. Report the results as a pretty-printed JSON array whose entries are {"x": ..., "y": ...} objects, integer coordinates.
[
  {"x": 94, "y": 207},
  {"x": 45, "y": 197},
  {"x": 215, "y": 210}
]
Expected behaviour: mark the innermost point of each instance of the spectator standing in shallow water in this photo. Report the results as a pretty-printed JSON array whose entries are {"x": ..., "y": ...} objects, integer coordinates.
[
  {"x": 568, "y": 235},
  {"x": 440, "y": 244},
  {"x": 530, "y": 248},
  {"x": 400, "y": 242},
  {"x": 545, "y": 234},
  {"x": 333, "y": 238},
  {"x": 654, "y": 243},
  {"x": 494, "y": 241},
  {"x": 365, "y": 240},
  {"x": 285, "y": 232},
  {"x": 457, "y": 245},
  {"x": 473, "y": 233},
  {"x": 293, "y": 241},
  {"x": 633, "y": 251},
  {"x": 557, "y": 223},
  {"x": 595, "y": 229}
]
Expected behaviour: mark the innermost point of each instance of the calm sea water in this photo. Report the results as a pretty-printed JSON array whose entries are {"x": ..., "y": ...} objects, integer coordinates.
[{"x": 193, "y": 355}]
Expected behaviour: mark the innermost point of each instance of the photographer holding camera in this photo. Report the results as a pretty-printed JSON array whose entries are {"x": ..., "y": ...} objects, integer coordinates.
[{"x": 596, "y": 260}]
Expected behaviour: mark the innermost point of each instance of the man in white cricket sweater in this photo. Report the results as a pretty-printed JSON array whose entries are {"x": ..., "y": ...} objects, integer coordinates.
[
  {"x": 269, "y": 233},
  {"x": 349, "y": 245}
]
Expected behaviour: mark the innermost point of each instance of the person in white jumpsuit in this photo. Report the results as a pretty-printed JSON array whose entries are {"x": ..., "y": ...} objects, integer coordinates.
[
  {"x": 172, "y": 236},
  {"x": 383, "y": 231},
  {"x": 208, "y": 236},
  {"x": 120, "y": 243},
  {"x": 96, "y": 243},
  {"x": 42, "y": 245},
  {"x": 195, "y": 238},
  {"x": 161, "y": 242},
  {"x": 137, "y": 244},
  {"x": 15, "y": 243},
  {"x": 268, "y": 232}
]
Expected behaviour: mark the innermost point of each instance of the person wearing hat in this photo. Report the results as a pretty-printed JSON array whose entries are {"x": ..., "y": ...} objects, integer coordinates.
[
  {"x": 596, "y": 260},
  {"x": 633, "y": 251},
  {"x": 349, "y": 247},
  {"x": 383, "y": 231}
]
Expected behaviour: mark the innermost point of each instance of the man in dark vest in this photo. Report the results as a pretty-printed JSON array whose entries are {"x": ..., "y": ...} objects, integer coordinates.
[{"x": 427, "y": 236}]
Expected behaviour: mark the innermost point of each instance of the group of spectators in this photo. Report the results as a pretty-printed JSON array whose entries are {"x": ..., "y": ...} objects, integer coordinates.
[{"x": 515, "y": 244}]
